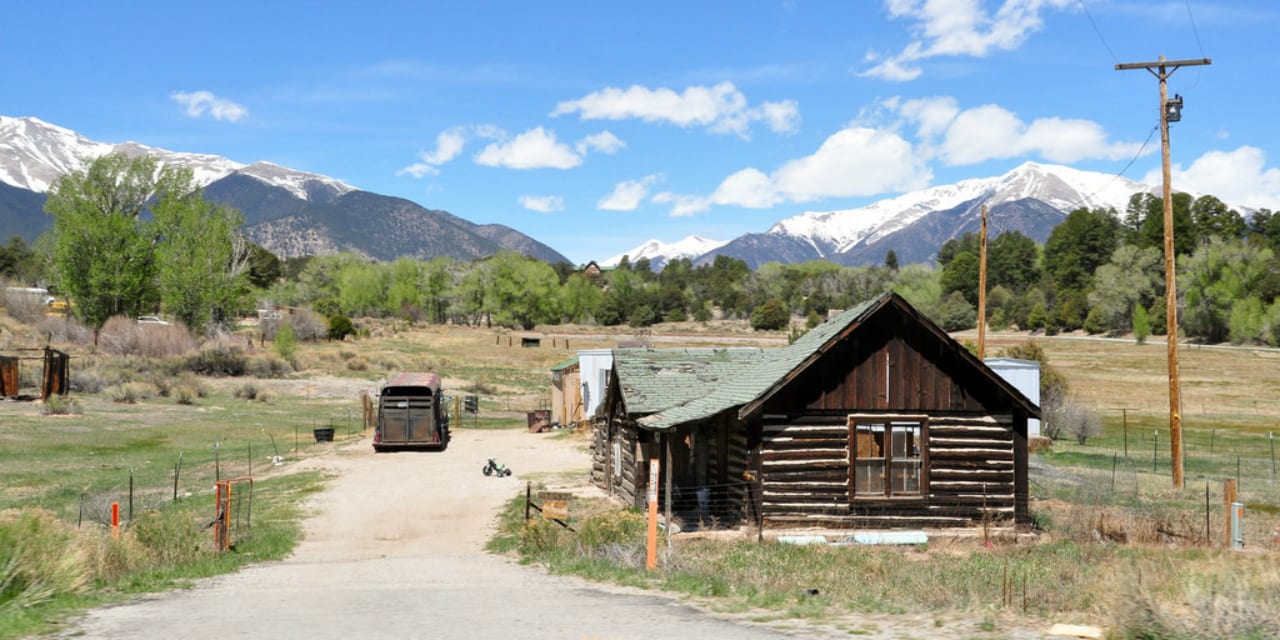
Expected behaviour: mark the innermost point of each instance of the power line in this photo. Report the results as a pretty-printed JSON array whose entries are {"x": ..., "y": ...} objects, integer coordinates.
[
  {"x": 1196, "y": 32},
  {"x": 1098, "y": 31},
  {"x": 1087, "y": 199}
]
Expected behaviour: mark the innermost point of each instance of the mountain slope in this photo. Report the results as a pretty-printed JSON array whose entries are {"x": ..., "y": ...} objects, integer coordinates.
[{"x": 290, "y": 212}]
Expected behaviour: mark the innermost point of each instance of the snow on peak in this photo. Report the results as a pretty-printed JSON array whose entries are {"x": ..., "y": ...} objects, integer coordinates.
[
  {"x": 296, "y": 182},
  {"x": 34, "y": 153},
  {"x": 655, "y": 250},
  {"x": 1064, "y": 188}
]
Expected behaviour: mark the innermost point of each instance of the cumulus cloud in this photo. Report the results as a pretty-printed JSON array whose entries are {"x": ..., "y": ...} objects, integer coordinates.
[
  {"x": 987, "y": 132},
  {"x": 855, "y": 161},
  {"x": 543, "y": 204},
  {"x": 448, "y": 145},
  {"x": 627, "y": 195},
  {"x": 536, "y": 148},
  {"x": 721, "y": 108},
  {"x": 683, "y": 205},
  {"x": 957, "y": 28},
  {"x": 992, "y": 132},
  {"x": 604, "y": 142},
  {"x": 1238, "y": 177},
  {"x": 198, "y": 103}
]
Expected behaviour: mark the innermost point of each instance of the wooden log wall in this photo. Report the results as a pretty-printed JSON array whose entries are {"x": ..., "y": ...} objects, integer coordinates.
[
  {"x": 969, "y": 465},
  {"x": 617, "y": 439}
]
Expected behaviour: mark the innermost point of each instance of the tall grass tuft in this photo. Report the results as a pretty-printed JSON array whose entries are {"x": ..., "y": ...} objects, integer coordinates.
[{"x": 39, "y": 559}]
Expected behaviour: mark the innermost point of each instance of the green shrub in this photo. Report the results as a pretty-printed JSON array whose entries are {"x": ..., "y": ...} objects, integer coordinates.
[
  {"x": 770, "y": 316},
  {"x": 170, "y": 536},
  {"x": 183, "y": 394},
  {"x": 39, "y": 559},
  {"x": 131, "y": 392},
  {"x": 340, "y": 327},
  {"x": 285, "y": 342},
  {"x": 56, "y": 405},
  {"x": 219, "y": 360},
  {"x": 246, "y": 391},
  {"x": 89, "y": 380},
  {"x": 269, "y": 366}
]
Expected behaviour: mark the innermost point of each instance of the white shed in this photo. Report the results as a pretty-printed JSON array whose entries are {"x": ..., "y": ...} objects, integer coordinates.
[
  {"x": 1024, "y": 375},
  {"x": 594, "y": 367}
]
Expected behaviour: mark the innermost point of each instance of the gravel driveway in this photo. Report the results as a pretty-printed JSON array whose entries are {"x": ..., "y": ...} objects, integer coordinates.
[{"x": 395, "y": 550}]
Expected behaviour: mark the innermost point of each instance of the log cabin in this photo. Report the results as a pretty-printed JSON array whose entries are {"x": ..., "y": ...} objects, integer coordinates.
[{"x": 874, "y": 419}]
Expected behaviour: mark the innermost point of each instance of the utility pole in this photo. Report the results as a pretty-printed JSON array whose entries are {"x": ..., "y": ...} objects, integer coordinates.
[
  {"x": 982, "y": 288},
  {"x": 1170, "y": 111}
]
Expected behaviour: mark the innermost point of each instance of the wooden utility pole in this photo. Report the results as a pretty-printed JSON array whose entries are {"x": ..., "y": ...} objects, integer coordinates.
[
  {"x": 1162, "y": 69},
  {"x": 982, "y": 287}
]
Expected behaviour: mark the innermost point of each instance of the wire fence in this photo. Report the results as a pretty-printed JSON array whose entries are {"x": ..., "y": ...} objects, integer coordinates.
[
  {"x": 195, "y": 475},
  {"x": 1122, "y": 489}
]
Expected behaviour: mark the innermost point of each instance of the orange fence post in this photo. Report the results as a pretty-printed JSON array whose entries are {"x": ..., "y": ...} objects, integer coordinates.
[
  {"x": 651, "y": 557},
  {"x": 115, "y": 519}
]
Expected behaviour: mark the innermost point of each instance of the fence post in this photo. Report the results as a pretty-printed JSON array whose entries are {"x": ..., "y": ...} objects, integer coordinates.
[
  {"x": 130, "y": 495},
  {"x": 217, "y": 462},
  {"x": 1228, "y": 496},
  {"x": 528, "y": 499},
  {"x": 1207, "y": 540},
  {"x": 1155, "y": 444},
  {"x": 177, "y": 469}
]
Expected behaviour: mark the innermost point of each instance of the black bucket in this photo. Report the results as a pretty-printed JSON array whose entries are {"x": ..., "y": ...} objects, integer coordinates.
[{"x": 324, "y": 434}]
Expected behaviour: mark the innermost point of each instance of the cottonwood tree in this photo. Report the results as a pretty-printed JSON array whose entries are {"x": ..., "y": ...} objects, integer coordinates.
[
  {"x": 202, "y": 261},
  {"x": 1133, "y": 277},
  {"x": 110, "y": 259}
]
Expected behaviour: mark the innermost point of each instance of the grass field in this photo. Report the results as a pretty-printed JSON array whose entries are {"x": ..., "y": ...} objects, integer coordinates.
[{"x": 1113, "y": 524}]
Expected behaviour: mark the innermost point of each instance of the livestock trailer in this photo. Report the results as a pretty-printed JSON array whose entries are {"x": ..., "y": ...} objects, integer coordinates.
[{"x": 412, "y": 414}]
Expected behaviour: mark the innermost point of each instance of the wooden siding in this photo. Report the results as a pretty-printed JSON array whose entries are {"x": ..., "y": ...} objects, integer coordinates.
[
  {"x": 888, "y": 368},
  {"x": 804, "y": 474}
]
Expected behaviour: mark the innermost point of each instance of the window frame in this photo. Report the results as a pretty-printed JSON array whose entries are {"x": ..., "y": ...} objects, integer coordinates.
[{"x": 888, "y": 421}]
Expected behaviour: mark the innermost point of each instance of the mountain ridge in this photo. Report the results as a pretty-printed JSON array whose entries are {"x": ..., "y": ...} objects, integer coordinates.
[{"x": 289, "y": 212}]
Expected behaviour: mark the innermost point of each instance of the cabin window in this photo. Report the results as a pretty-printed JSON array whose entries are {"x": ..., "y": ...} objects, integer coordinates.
[{"x": 886, "y": 456}]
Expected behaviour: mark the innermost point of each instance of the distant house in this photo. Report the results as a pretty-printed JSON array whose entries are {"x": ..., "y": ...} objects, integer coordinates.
[
  {"x": 875, "y": 418},
  {"x": 591, "y": 270}
]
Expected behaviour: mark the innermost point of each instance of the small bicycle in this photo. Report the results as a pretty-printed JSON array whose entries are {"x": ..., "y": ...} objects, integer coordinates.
[{"x": 493, "y": 466}]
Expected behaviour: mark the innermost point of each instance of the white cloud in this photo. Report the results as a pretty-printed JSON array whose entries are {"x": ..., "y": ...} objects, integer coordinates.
[
  {"x": 990, "y": 132},
  {"x": 958, "y": 28},
  {"x": 1239, "y": 178},
  {"x": 544, "y": 204},
  {"x": 604, "y": 142},
  {"x": 683, "y": 205},
  {"x": 198, "y": 103},
  {"x": 536, "y": 148},
  {"x": 749, "y": 188},
  {"x": 448, "y": 145},
  {"x": 855, "y": 161},
  {"x": 627, "y": 195},
  {"x": 782, "y": 117},
  {"x": 932, "y": 115},
  {"x": 721, "y": 108}
]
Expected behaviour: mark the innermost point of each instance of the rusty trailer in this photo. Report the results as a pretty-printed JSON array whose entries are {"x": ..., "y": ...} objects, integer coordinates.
[{"x": 412, "y": 414}]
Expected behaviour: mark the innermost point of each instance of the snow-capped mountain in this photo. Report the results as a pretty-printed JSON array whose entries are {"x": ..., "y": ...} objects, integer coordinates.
[
  {"x": 660, "y": 253},
  {"x": 33, "y": 153},
  {"x": 1062, "y": 188},
  {"x": 291, "y": 213},
  {"x": 1031, "y": 198}
]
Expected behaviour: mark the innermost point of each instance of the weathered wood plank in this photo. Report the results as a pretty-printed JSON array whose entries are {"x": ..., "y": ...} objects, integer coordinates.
[
  {"x": 974, "y": 454},
  {"x": 806, "y": 454}
]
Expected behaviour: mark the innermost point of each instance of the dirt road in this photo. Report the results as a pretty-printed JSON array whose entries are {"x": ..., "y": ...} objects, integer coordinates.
[{"x": 395, "y": 550}]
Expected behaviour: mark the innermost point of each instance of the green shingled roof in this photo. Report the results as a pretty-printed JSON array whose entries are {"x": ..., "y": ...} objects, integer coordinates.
[
  {"x": 738, "y": 382},
  {"x": 566, "y": 364},
  {"x": 656, "y": 379}
]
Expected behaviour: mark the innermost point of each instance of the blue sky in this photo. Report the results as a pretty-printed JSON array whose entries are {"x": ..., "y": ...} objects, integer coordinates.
[{"x": 595, "y": 126}]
